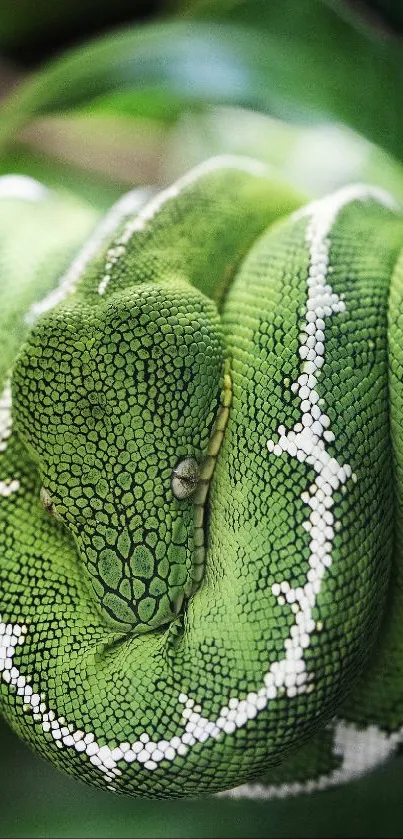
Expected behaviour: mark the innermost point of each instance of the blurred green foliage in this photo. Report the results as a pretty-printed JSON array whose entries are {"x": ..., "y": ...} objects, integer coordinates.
[
  {"x": 304, "y": 62},
  {"x": 121, "y": 97}
]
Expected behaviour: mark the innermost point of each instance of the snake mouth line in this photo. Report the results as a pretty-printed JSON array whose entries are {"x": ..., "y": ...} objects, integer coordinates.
[{"x": 206, "y": 473}]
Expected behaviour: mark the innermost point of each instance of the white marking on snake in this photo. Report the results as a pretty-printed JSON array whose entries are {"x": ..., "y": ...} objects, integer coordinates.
[
  {"x": 150, "y": 210},
  {"x": 305, "y": 442},
  {"x": 5, "y": 415},
  {"x": 360, "y": 749},
  {"x": 127, "y": 205}
]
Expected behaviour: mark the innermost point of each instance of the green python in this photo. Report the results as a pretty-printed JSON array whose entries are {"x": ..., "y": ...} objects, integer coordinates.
[{"x": 201, "y": 454}]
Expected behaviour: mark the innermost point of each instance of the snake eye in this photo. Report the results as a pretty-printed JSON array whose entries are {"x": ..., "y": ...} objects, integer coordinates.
[
  {"x": 47, "y": 502},
  {"x": 184, "y": 478}
]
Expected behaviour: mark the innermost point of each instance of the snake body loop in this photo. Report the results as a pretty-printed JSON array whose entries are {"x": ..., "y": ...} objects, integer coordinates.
[{"x": 201, "y": 479}]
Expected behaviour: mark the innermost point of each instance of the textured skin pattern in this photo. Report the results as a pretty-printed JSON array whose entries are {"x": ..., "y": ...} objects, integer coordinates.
[{"x": 168, "y": 639}]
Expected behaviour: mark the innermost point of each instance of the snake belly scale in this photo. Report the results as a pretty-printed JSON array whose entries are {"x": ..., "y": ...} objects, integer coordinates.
[{"x": 200, "y": 484}]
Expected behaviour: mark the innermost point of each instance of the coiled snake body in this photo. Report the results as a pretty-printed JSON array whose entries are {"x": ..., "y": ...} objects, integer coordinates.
[{"x": 201, "y": 454}]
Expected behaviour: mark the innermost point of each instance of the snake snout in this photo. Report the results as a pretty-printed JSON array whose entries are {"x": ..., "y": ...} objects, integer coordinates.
[{"x": 140, "y": 582}]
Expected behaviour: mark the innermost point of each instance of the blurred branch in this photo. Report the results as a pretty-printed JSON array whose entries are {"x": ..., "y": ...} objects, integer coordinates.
[{"x": 128, "y": 151}]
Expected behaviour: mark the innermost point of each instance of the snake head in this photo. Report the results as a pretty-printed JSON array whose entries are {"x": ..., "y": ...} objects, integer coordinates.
[{"x": 115, "y": 402}]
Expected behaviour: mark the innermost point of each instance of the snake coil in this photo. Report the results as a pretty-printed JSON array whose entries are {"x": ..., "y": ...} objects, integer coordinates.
[{"x": 200, "y": 489}]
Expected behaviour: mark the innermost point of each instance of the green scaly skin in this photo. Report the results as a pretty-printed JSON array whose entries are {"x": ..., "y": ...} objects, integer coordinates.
[{"x": 200, "y": 485}]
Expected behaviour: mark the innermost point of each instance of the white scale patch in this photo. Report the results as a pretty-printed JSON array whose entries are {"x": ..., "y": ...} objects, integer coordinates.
[
  {"x": 306, "y": 442},
  {"x": 360, "y": 750},
  {"x": 126, "y": 206}
]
